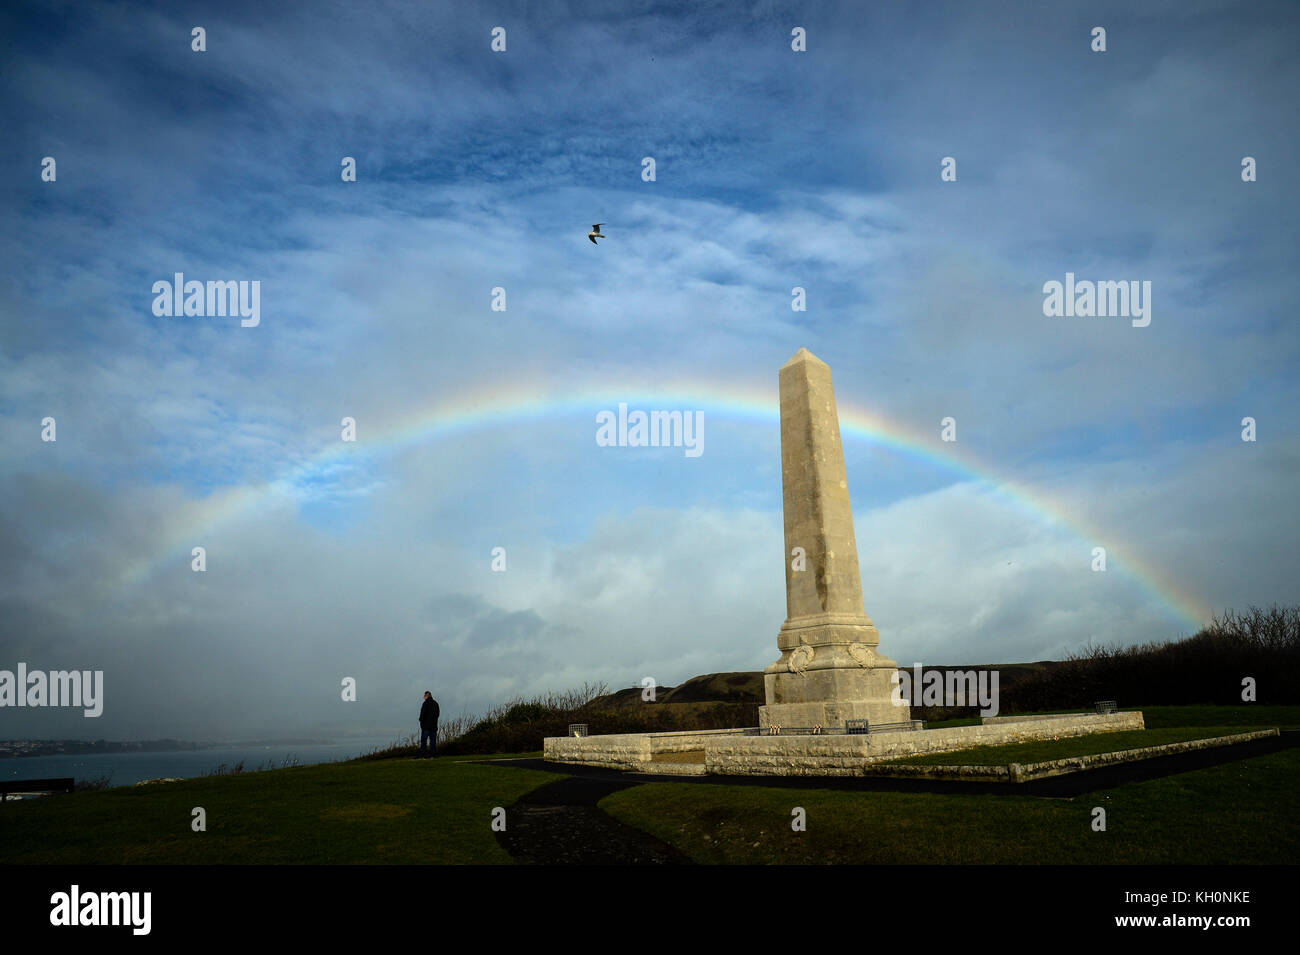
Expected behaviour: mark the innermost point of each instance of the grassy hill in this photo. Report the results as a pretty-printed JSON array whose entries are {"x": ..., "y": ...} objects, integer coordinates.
[
  {"x": 747, "y": 686},
  {"x": 1205, "y": 668}
]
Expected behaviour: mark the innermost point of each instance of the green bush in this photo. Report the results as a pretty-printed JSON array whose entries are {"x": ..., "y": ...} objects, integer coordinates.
[
  {"x": 1206, "y": 668},
  {"x": 527, "y": 713}
]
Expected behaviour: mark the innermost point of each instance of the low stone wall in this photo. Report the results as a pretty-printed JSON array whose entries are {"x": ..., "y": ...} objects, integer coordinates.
[
  {"x": 729, "y": 752},
  {"x": 993, "y": 720},
  {"x": 851, "y": 755},
  {"x": 966, "y": 774},
  {"x": 1024, "y": 772},
  {"x": 618, "y": 751},
  {"x": 673, "y": 769},
  {"x": 626, "y": 750},
  {"x": 1073, "y": 764},
  {"x": 685, "y": 742}
]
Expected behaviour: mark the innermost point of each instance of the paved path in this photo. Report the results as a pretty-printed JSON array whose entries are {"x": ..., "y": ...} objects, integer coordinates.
[{"x": 559, "y": 824}]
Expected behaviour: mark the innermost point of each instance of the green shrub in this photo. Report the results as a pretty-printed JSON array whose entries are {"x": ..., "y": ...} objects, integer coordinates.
[{"x": 1206, "y": 668}]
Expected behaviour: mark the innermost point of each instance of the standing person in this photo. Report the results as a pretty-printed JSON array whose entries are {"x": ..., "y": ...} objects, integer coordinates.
[{"x": 429, "y": 724}]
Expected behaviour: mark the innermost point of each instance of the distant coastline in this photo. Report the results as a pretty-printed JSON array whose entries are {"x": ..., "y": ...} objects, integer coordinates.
[
  {"x": 129, "y": 763},
  {"x": 13, "y": 748},
  {"x": 70, "y": 747}
]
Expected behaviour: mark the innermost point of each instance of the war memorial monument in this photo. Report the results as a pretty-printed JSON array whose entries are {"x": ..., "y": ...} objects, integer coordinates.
[{"x": 833, "y": 705}]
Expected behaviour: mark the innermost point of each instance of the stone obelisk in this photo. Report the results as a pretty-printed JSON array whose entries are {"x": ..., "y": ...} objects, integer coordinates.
[{"x": 830, "y": 668}]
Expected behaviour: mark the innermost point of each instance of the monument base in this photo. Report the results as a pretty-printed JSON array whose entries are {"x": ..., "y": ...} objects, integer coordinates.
[
  {"x": 830, "y": 671},
  {"x": 831, "y": 714},
  {"x": 755, "y": 753}
]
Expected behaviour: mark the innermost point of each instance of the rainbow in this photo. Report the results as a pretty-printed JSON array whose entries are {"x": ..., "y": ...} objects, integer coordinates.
[{"x": 518, "y": 404}]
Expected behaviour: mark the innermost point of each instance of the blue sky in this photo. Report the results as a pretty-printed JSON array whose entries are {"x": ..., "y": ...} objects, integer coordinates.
[{"x": 477, "y": 169}]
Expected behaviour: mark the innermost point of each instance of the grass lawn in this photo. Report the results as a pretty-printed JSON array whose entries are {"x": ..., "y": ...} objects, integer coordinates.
[
  {"x": 408, "y": 752},
  {"x": 1159, "y": 717},
  {"x": 365, "y": 811},
  {"x": 1042, "y": 750},
  {"x": 1239, "y": 813},
  {"x": 1248, "y": 714}
]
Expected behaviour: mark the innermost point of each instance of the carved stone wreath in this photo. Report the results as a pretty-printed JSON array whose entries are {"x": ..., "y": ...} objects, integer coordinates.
[{"x": 862, "y": 654}]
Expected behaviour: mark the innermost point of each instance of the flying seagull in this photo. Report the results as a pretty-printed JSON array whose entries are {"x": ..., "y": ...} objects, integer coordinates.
[{"x": 594, "y": 234}]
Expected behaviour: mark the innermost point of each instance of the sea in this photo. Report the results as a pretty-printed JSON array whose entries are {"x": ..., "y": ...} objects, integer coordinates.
[{"x": 127, "y": 769}]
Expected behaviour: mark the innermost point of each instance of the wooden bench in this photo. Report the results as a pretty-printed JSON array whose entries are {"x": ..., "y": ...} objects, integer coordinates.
[{"x": 63, "y": 784}]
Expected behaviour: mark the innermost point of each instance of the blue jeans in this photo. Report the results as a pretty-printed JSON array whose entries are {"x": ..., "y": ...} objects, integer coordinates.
[{"x": 432, "y": 737}]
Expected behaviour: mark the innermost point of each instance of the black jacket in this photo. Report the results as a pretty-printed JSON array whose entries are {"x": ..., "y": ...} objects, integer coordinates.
[{"x": 429, "y": 714}]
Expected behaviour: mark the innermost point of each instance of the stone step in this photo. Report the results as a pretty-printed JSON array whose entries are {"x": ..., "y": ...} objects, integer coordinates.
[{"x": 671, "y": 769}]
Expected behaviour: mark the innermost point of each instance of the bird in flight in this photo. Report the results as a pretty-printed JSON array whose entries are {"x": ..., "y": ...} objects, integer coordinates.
[{"x": 594, "y": 234}]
